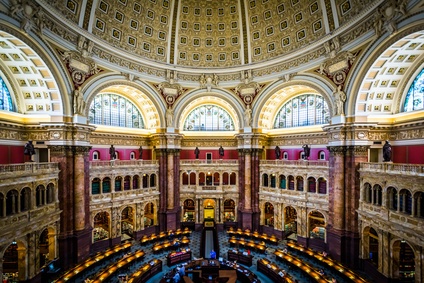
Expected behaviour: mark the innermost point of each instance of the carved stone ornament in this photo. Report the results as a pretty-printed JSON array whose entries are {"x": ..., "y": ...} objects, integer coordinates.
[
  {"x": 81, "y": 68},
  {"x": 337, "y": 68}
]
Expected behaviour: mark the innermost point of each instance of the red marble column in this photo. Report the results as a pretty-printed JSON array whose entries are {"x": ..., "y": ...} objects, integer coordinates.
[
  {"x": 246, "y": 188},
  {"x": 343, "y": 191},
  {"x": 75, "y": 231}
]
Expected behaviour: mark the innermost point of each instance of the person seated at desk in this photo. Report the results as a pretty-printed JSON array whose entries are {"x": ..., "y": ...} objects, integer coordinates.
[
  {"x": 181, "y": 271},
  {"x": 176, "y": 277},
  {"x": 213, "y": 254}
]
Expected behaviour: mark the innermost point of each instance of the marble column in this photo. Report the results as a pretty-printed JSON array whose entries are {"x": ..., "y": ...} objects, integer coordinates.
[{"x": 170, "y": 178}]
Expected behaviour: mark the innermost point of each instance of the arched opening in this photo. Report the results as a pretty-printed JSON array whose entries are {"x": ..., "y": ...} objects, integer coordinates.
[
  {"x": 225, "y": 178},
  {"x": 189, "y": 211},
  {"x": 367, "y": 193},
  {"x": 371, "y": 242},
  {"x": 95, "y": 186},
  {"x": 322, "y": 186},
  {"x": 202, "y": 179},
  {"x": 285, "y": 155},
  {"x": 419, "y": 204},
  {"x": 403, "y": 262},
  {"x": 269, "y": 214},
  {"x": 233, "y": 178},
  {"x": 132, "y": 155},
  {"x": 2, "y": 205},
  {"x": 265, "y": 180},
  {"x": 127, "y": 223},
  {"x": 299, "y": 183},
  {"x": 106, "y": 185},
  {"x": 282, "y": 182},
  {"x": 50, "y": 193},
  {"x": 40, "y": 196},
  {"x": 101, "y": 226},
  {"x": 377, "y": 195},
  {"x": 317, "y": 225},
  {"x": 321, "y": 155},
  {"x": 312, "y": 186},
  {"x": 184, "y": 179},
  {"x": 11, "y": 202},
  {"x": 229, "y": 210},
  {"x": 209, "y": 209},
  {"x": 216, "y": 180},
  {"x": 14, "y": 259},
  {"x": 47, "y": 246},
  {"x": 291, "y": 183},
  {"x": 25, "y": 199},
  {"x": 192, "y": 180},
  {"x": 392, "y": 198},
  {"x": 96, "y": 155},
  {"x": 118, "y": 184},
  {"x": 273, "y": 180},
  {"x": 145, "y": 181},
  {"x": 127, "y": 183},
  {"x": 405, "y": 202},
  {"x": 290, "y": 222},
  {"x": 209, "y": 179},
  {"x": 136, "y": 182},
  {"x": 149, "y": 215},
  {"x": 152, "y": 180}
]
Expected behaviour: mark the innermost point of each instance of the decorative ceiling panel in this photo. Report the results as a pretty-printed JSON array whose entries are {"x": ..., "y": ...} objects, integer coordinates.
[{"x": 140, "y": 27}]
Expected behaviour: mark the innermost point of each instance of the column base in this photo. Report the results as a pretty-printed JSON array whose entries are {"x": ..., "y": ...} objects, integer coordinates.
[{"x": 245, "y": 220}]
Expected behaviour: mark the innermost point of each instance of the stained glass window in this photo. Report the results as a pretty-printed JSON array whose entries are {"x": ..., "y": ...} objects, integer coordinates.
[
  {"x": 5, "y": 98},
  {"x": 303, "y": 110},
  {"x": 209, "y": 118},
  {"x": 415, "y": 98},
  {"x": 114, "y": 110}
]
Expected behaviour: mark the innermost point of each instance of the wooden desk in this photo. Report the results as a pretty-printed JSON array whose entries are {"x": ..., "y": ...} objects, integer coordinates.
[
  {"x": 146, "y": 271},
  {"x": 272, "y": 271},
  {"x": 240, "y": 257},
  {"x": 334, "y": 265},
  {"x": 299, "y": 264},
  {"x": 250, "y": 244},
  {"x": 177, "y": 257}
]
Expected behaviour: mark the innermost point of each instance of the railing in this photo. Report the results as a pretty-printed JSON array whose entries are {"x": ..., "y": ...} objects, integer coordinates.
[
  {"x": 209, "y": 188},
  {"x": 208, "y": 162},
  {"x": 400, "y": 168},
  {"x": 135, "y": 163},
  {"x": 28, "y": 167},
  {"x": 296, "y": 163}
]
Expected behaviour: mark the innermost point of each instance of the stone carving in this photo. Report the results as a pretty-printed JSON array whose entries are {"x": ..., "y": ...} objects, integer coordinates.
[
  {"x": 340, "y": 98},
  {"x": 169, "y": 117},
  {"x": 79, "y": 103},
  {"x": 248, "y": 116},
  {"x": 208, "y": 81},
  {"x": 80, "y": 68}
]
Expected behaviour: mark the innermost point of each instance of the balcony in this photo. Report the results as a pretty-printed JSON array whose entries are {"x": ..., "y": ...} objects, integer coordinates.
[{"x": 393, "y": 168}]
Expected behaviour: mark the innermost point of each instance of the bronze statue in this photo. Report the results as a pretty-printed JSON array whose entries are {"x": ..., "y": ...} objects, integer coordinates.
[
  {"x": 277, "y": 152},
  {"x": 387, "y": 152},
  {"x": 112, "y": 152},
  {"x": 221, "y": 151},
  {"x": 306, "y": 151},
  {"x": 196, "y": 152},
  {"x": 29, "y": 149},
  {"x": 140, "y": 152}
]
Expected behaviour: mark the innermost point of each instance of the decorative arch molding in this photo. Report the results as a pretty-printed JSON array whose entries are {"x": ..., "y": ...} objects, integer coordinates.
[
  {"x": 272, "y": 98},
  {"x": 234, "y": 106},
  {"x": 51, "y": 62},
  {"x": 147, "y": 102},
  {"x": 367, "y": 59}
]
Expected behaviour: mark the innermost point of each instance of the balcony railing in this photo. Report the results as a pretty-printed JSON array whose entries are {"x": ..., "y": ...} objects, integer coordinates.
[
  {"x": 393, "y": 168},
  {"x": 208, "y": 162},
  {"x": 127, "y": 163},
  {"x": 296, "y": 163},
  {"x": 29, "y": 167}
]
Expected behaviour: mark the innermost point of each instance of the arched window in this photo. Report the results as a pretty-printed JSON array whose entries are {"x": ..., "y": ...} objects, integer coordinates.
[
  {"x": 114, "y": 110},
  {"x": 5, "y": 98},
  {"x": 392, "y": 198},
  {"x": 303, "y": 110},
  {"x": 321, "y": 155},
  {"x": 96, "y": 155},
  {"x": 132, "y": 155},
  {"x": 415, "y": 98},
  {"x": 95, "y": 186},
  {"x": 209, "y": 118},
  {"x": 367, "y": 193},
  {"x": 285, "y": 155}
]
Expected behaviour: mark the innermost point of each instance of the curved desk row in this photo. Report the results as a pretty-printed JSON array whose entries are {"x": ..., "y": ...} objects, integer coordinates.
[
  {"x": 299, "y": 264},
  {"x": 93, "y": 261},
  {"x": 250, "y": 244},
  {"x": 122, "y": 263},
  {"x": 334, "y": 265},
  {"x": 163, "y": 235},
  {"x": 246, "y": 233},
  {"x": 177, "y": 257},
  {"x": 146, "y": 271},
  {"x": 167, "y": 245},
  {"x": 272, "y": 271}
]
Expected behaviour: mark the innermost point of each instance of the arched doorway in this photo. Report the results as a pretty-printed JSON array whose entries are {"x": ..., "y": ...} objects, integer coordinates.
[
  {"x": 229, "y": 210},
  {"x": 101, "y": 226},
  {"x": 127, "y": 223},
  {"x": 209, "y": 209},
  {"x": 290, "y": 222},
  {"x": 189, "y": 211},
  {"x": 317, "y": 225},
  {"x": 14, "y": 259},
  {"x": 403, "y": 262},
  {"x": 149, "y": 215},
  {"x": 269, "y": 214},
  {"x": 371, "y": 243}
]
